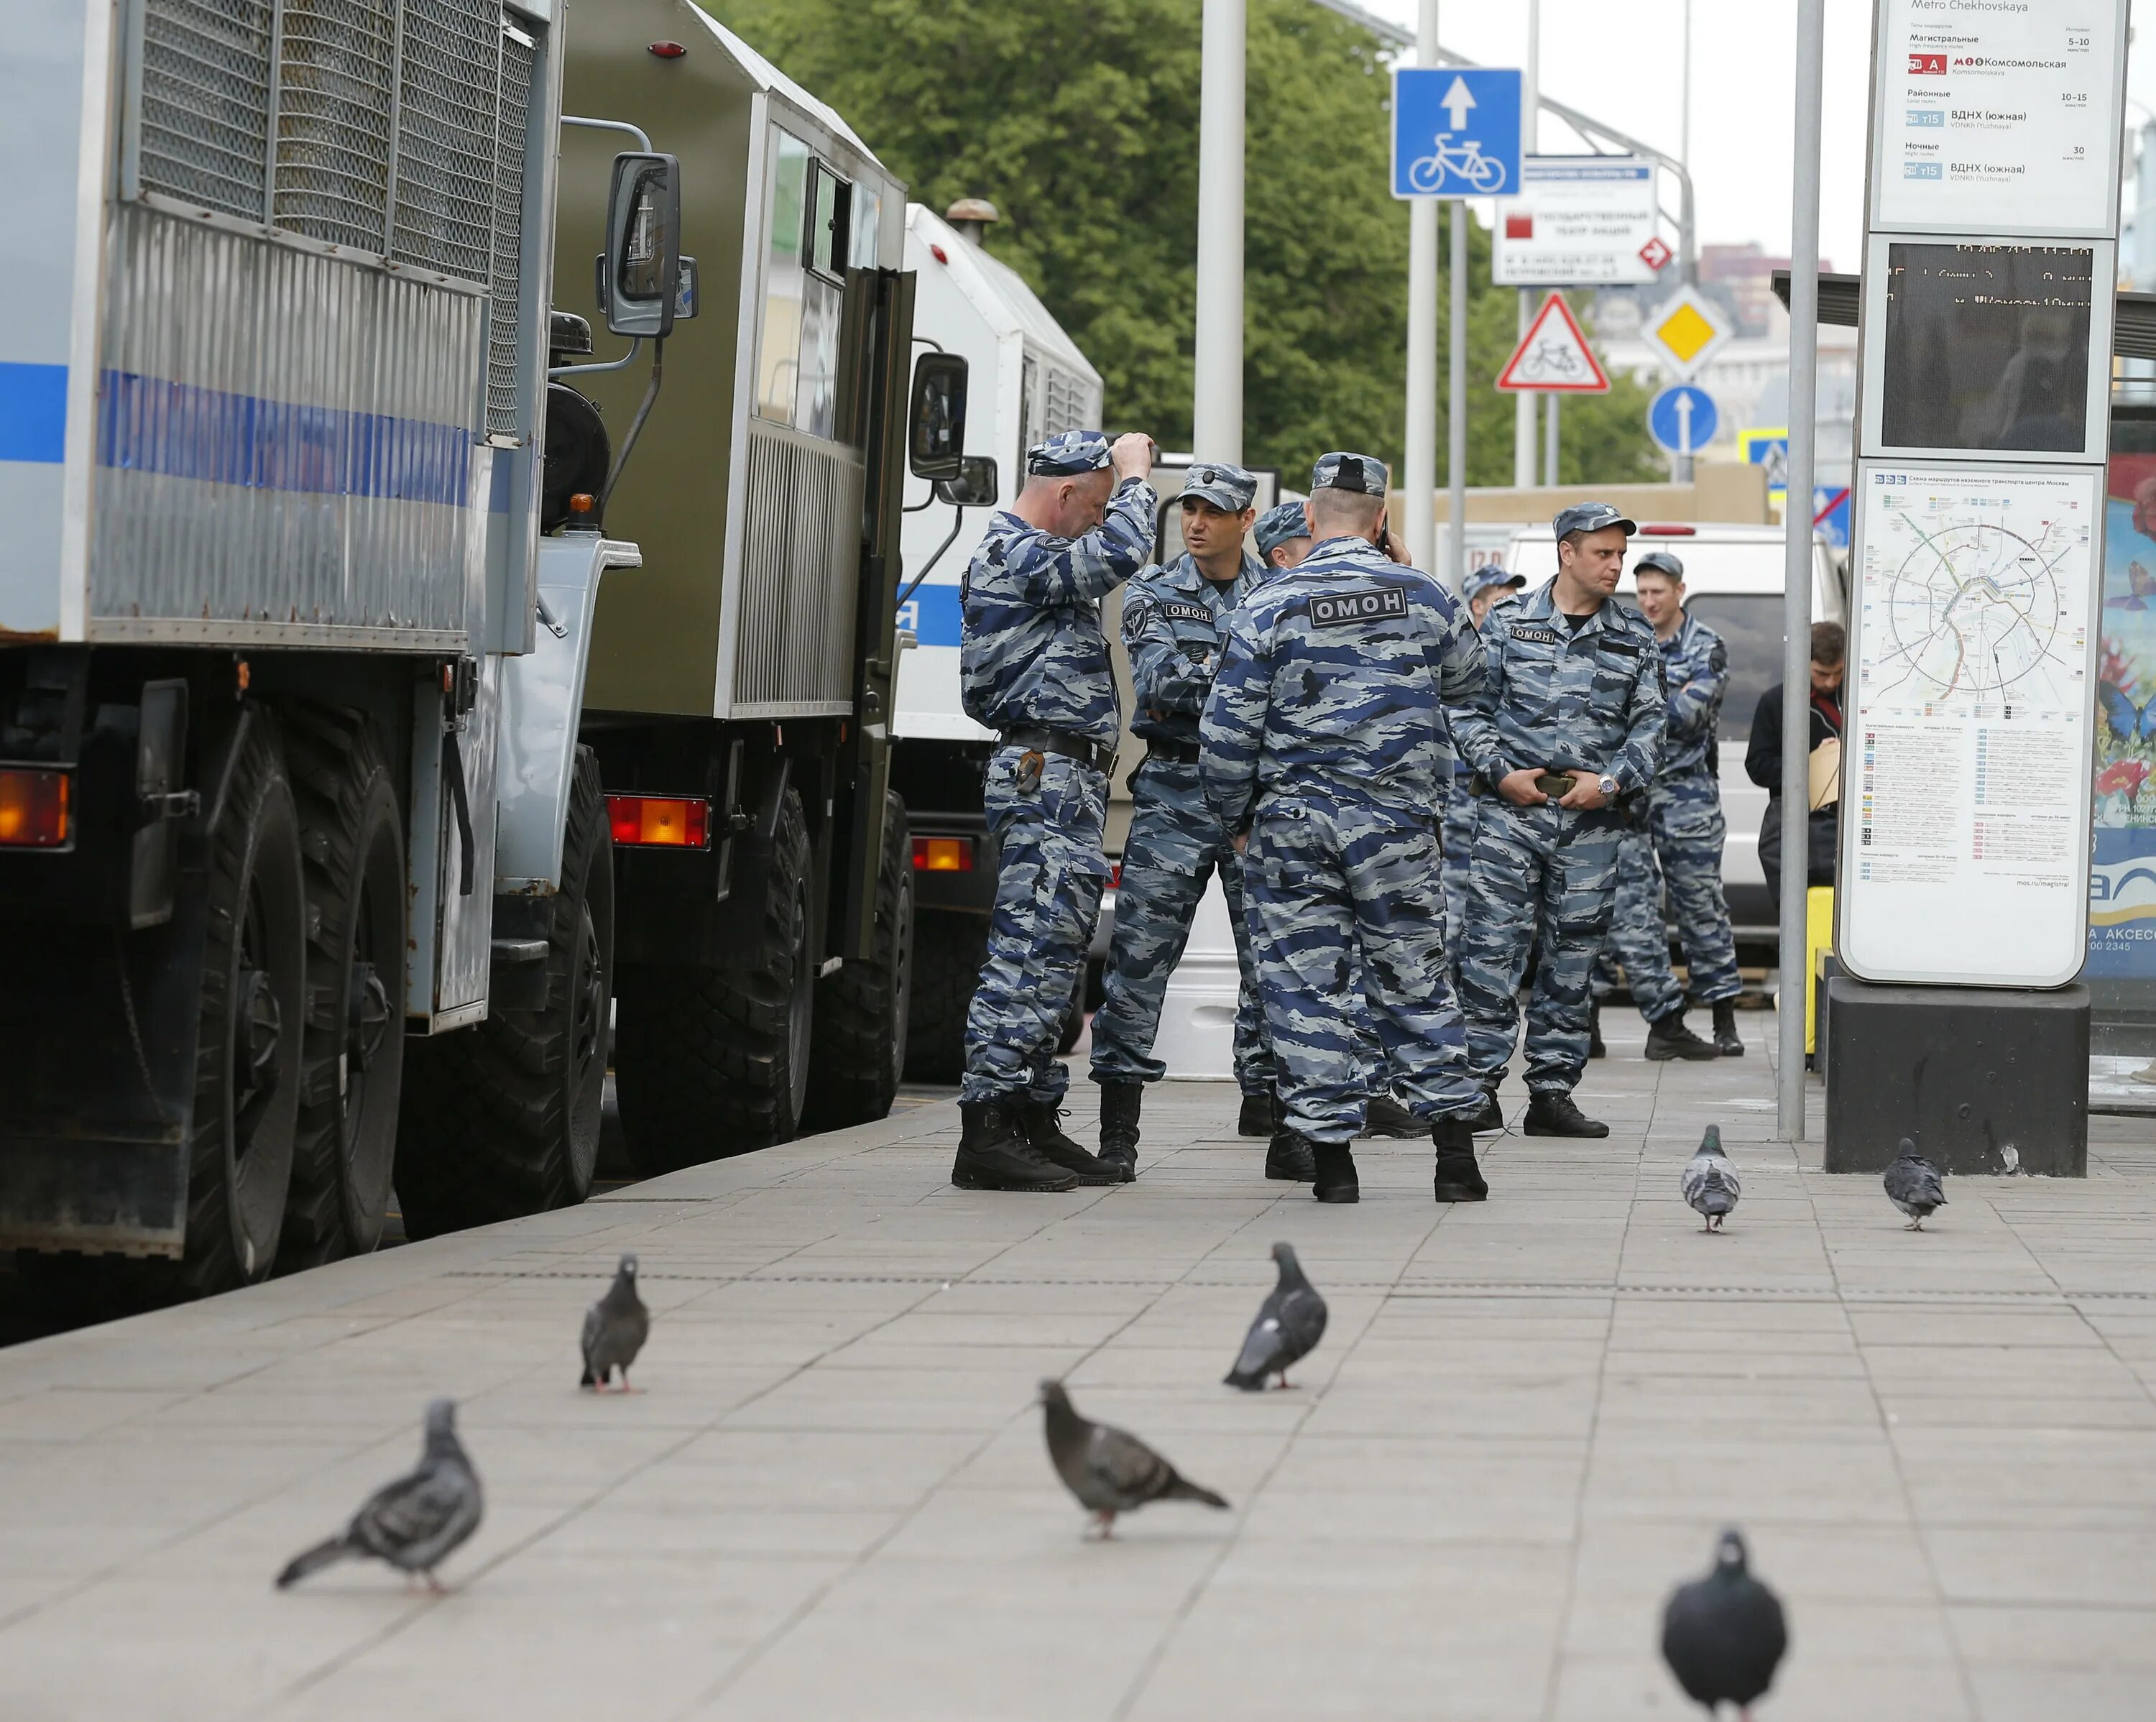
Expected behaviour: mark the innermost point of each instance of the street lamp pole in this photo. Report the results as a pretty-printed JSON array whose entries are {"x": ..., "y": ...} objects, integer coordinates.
[
  {"x": 1216, "y": 417},
  {"x": 1523, "y": 403},
  {"x": 1418, "y": 479}
]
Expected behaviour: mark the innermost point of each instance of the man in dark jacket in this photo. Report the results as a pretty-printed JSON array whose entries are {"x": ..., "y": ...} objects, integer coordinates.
[{"x": 1762, "y": 761}]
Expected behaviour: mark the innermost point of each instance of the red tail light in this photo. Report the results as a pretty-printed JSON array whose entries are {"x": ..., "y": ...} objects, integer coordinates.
[
  {"x": 1667, "y": 529},
  {"x": 660, "y": 821},
  {"x": 1115, "y": 875},
  {"x": 34, "y": 809},
  {"x": 942, "y": 854}
]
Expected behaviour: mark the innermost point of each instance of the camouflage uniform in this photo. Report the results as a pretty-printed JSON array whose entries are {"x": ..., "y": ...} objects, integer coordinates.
[
  {"x": 1458, "y": 831},
  {"x": 1325, "y": 737},
  {"x": 1034, "y": 656},
  {"x": 1588, "y": 700},
  {"x": 1175, "y": 623},
  {"x": 1677, "y": 840}
]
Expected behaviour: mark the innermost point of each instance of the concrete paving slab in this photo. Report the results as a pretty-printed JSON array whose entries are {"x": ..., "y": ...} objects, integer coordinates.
[{"x": 1527, "y": 1421}]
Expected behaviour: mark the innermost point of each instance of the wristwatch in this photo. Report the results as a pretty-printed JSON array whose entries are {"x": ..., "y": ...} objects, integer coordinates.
[{"x": 1607, "y": 785}]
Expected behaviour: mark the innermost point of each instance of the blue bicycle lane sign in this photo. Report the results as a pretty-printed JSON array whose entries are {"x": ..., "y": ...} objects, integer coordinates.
[{"x": 1455, "y": 132}]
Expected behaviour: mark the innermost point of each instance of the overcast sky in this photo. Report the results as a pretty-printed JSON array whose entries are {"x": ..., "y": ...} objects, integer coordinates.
[{"x": 1621, "y": 61}]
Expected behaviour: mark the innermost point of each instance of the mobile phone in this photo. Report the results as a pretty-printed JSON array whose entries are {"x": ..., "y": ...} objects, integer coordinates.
[{"x": 1385, "y": 537}]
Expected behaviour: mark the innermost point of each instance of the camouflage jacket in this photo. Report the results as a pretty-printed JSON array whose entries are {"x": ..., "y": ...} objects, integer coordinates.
[
  {"x": 1695, "y": 675},
  {"x": 1588, "y": 699},
  {"x": 1032, "y": 650},
  {"x": 1175, "y": 621},
  {"x": 1334, "y": 683}
]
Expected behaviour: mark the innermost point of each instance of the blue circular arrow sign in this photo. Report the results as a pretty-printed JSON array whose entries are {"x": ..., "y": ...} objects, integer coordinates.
[{"x": 1683, "y": 419}]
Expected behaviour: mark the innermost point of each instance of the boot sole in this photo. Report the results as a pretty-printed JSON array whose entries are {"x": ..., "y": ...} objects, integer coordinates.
[
  {"x": 1286, "y": 1177},
  {"x": 1730, "y": 1052},
  {"x": 1667, "y": 1054},
  {"x": 1338, "y": 1196},
  {"x": 1596, "y": 1133},
  {"x": 1051, "y": 1186},
  {"x": 1460, "y": 1193}
]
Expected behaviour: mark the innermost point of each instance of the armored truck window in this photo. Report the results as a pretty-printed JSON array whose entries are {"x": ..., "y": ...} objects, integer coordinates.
[
  {"x": 779, "y": 356},
  {"x": 868, "y": 223}
]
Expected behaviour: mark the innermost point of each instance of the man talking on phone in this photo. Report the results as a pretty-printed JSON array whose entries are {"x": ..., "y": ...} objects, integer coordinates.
[{"x": 1568, "y": 719}]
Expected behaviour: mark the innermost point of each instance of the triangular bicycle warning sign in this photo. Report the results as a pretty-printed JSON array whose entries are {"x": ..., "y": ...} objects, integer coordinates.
[{"x": 1554, "y": 357}]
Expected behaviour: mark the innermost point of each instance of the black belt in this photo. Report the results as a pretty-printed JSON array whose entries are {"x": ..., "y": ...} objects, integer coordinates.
[
  {"x": 1099, "y": 755},
  {"x": 1175, "y": 752}
]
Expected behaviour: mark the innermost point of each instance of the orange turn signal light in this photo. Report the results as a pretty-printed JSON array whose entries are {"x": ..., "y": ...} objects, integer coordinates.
[
  {"x": 660, "y": 821},
  {"x": 942, "y": 854},
  {"x": 33, "y": 808}
]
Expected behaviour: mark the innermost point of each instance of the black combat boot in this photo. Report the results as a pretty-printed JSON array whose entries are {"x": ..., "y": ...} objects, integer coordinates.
[
  {"x": 1289, "y": 1157},
  {"x": 1046, "y": 1137},
  {"x": 1384, "y": 1116},
  {"x": 1551, "y": 1113},
  {"x": 994, "y": 1154},
  {"x": 1725, "y": 1030},
  {"x": 1260, "y": 1115},
  {"x": 1334, "y": 1179},
  {"x": 1667, "y": 1037},
  {"x": 1595, "y": 1049},
  {"x": 1119, "y": 1128},
  {"x": 1459, "y": 1179},
  {"x": 1487, "y": 1117}
]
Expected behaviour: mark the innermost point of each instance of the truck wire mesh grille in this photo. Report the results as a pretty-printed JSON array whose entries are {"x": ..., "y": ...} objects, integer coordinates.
[
  {"x": 205, "y": 111},
  {"x": 505, "y": 322},
  {"x": 333, "y": 106},
  {"x": 445, "y": 135}
]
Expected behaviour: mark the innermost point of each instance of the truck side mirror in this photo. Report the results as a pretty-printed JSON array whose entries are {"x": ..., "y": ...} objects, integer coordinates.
[
  {"x": 935, "y": 439},
  {"x": 975, "y": 486},
  {"x": 640, "y": 273}
]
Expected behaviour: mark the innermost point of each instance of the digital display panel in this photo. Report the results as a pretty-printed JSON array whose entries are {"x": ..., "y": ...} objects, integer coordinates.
[{"x": 1987, "y": 347}]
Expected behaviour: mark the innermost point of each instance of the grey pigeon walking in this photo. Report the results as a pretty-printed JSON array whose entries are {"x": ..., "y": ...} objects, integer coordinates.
[
  {"x": 1290, "y": 1323},
  {"x": 1913, "y": 1185},
  {"x": 614, "y": 1331},
  {"x": 1110, "y": 1472},
  {"x": 1709, "y": 1181},
  {"x": 415, "y": 1523},
  {"x": 1723, "y": 1636}
]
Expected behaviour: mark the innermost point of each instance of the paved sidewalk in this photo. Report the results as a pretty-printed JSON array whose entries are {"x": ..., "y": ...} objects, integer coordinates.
[{"x": 1526, "y": 1420}]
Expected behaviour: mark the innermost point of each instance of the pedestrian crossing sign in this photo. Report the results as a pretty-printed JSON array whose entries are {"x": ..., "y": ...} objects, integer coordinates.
[{"x": 1768, "y": 446}]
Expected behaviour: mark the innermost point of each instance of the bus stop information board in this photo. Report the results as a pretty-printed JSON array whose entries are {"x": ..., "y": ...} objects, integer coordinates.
[{"x": 1997, "y": 114}]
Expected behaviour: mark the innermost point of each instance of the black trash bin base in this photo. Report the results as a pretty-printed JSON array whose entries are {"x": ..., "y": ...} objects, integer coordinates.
[{"x": 1983, "y": 1080}]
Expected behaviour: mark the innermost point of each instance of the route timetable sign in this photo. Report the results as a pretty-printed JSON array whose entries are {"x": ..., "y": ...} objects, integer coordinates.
[
  {"x": 1998, "y": 116},
  {"x": 1580, "y": 221},
  {"x": 1966, "y": 810},
  {"x": 1455, "y": 132}
]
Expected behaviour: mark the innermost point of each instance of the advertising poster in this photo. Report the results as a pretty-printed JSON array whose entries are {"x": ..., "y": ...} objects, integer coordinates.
[{"x": 2122, "y": 940}]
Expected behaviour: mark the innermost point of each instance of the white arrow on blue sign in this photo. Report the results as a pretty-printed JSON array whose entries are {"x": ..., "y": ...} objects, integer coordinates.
[
  {"x": 1683, "y": 419},
  {"x": 1455, "y": 132}
]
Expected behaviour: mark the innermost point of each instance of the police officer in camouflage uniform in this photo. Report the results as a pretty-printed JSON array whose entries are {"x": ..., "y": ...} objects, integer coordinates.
[
  {"x": 1326, "y": 751},
  {"x": 1484, "y": 588},
  {"x": 1675, "y": 837},
  {"x": 1034, "y": 666},
  {"x": 1283, "y": 535},
  {"x": 1568, "y": 719},
  {"x": 1175, "y": 619}
]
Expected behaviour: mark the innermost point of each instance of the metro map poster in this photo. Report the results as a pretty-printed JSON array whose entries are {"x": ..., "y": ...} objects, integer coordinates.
[{"x": 2121, "y": 944}]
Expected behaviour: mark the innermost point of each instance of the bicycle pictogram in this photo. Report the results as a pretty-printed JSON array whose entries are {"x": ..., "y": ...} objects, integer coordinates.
[
  {"x": 1464, "y": 162},
  {"x": 1552, "y": 357}
]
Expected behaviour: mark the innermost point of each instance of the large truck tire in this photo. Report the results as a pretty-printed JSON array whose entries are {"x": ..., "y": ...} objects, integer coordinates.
[
  {"x": 250, "y": 1036},
  {"x": 502, "y": 1118},
  {"x": 949, "y": 951},
  {"x": 708, "y": 1061},
  {"x": 352, "y": 840},
  {"x": 858, "y": 1052}
]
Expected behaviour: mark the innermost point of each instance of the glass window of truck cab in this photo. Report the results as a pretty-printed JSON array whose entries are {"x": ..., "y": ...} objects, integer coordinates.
[{"x": 820, "y": 225}]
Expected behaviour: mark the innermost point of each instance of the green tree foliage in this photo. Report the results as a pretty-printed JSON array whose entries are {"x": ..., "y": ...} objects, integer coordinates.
[{"x": 1081, "y": 123}]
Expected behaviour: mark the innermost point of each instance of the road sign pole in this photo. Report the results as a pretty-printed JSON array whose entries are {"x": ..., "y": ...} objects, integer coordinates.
[
  {"x": 1523, "y": 403},
  {"x": 1216, "y": 419},
  {"x": 1797, "y": 574},
  {"x": 1455, "y": 462},
  {"x": 1550, "y": 441},
  {"x": 1419, "y": 479}
]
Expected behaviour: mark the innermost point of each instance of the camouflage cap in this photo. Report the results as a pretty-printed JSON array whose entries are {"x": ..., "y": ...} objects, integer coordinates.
[
  {"x": 1228, "y": 488},
  {"x": 1481, "y": 580},
  {"x": 1592, "y": 518},
  {"x": 1281, "y": 524},
  {"x": 1664, "y": 561},
  {"x": 1068, "y": 453},
  {"x": 1348, "y": 472}
]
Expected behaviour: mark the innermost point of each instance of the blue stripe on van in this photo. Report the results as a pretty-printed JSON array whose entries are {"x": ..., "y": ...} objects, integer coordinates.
[
  {"x": 933, "y": 614},
  {"x": 33, "y": 412},
  {"x": 148, "y": 424}
]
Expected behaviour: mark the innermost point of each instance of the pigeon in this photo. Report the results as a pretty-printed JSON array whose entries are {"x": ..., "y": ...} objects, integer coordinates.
[
  {"x": 1709, "y": 1181},
  {"x": 1723, "y": 1635},
  {"x": 1913, "y": 1185},
  {"x": 1110, "y": 1472},
  {"x": 614, "y": 1331},
  {"x": 1290, "y": 1323},
  {"x": 415, "y": 1523}
]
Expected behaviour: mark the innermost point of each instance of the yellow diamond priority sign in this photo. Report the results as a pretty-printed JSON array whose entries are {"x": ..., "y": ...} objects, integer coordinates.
[{"x": 1685, "y": 331}]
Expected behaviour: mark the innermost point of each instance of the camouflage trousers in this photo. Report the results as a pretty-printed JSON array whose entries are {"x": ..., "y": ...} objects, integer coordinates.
[
  {"x": 1049, "y": 870},
  {"x": 1678, "y": 843},
  {"x": 1458, "y": 843},
  {"x": 1174, "y": 847},
  {"x": 1542, "y": 878},
  {"x": 1330, "y": 886}
]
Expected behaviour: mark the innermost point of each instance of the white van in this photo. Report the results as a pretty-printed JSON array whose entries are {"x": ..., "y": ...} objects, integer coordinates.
[{"x": 1733, "y": 582}]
